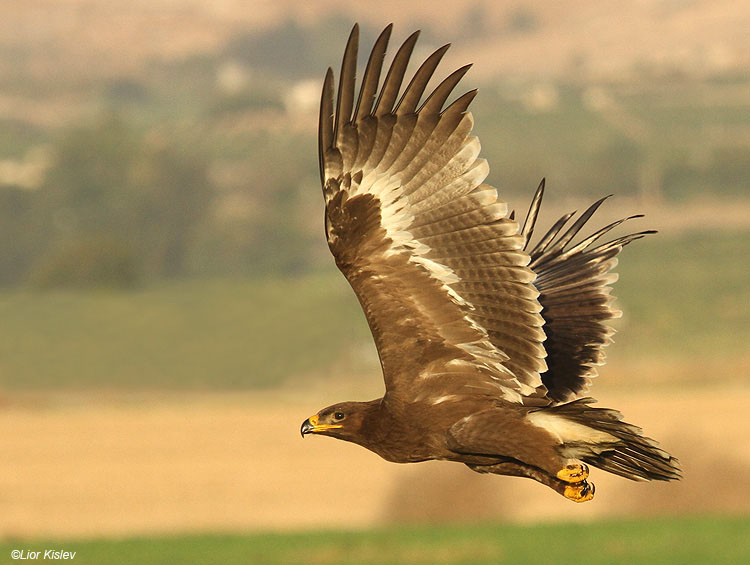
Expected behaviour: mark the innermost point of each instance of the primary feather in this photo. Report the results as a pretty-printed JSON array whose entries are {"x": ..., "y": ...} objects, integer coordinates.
[{"x": 419, "y": 236}]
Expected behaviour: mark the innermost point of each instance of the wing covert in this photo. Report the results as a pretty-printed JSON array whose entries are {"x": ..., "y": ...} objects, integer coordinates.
[{"x": 436, "y": 263}]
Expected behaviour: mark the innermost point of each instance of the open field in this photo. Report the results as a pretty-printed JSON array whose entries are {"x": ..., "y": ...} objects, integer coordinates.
[
  {"x": 181, "y": 335},
  {"x": 81, "y": 466},
  {"x": 113, "y": 423},
  {"x": 681, "y": 540},
  {"x": 686, "y": 303}
]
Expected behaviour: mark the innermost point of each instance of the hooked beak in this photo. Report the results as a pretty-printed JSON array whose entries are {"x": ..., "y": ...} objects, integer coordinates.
[
  {"x": 311, "y": 426},
  {"x": 307, "y": 427}
]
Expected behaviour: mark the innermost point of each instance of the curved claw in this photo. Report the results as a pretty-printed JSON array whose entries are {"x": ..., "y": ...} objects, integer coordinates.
[
  {"x": 579, "y": 492},
  {"x": 574, "y": 473}
]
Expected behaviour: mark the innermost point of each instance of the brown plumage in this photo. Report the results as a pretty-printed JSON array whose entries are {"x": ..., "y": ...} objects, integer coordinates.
[{"x": 486, "y": 341}]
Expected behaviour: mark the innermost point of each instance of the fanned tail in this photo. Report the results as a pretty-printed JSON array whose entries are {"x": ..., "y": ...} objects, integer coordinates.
[{"x": 626, "y": 452}]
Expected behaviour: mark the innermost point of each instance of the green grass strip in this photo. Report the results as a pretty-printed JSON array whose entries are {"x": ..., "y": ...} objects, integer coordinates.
[{"x": 663, "y": 540}]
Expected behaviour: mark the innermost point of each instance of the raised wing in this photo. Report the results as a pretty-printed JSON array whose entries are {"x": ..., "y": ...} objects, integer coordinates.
[
  {"x": 437, "y": 264},
  {"x": 575, "y": 295}
]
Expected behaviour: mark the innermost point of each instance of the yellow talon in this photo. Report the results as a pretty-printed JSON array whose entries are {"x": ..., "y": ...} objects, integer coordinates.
[
  {"x": 573, "y": 473},
  {"x": 579, "y": 492}
]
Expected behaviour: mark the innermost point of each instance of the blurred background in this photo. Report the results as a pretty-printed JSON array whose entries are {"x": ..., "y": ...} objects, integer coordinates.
[{"x": 170, "y": 311}]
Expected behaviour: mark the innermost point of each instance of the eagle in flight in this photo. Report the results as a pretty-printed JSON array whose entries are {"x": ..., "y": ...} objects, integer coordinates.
[{"x": 487, "y": 340}]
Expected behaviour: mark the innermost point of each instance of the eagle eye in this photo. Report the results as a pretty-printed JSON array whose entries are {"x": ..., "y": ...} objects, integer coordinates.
[{"x": 338, "y": 416}]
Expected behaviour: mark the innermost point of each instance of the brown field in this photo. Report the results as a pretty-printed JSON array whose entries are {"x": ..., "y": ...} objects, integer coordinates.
[{"x": 110, "y": 465}]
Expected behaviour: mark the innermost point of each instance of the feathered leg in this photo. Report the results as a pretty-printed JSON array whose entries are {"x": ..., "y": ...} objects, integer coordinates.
[
  {"x": 578, "y": 489},
  {"x": 516, "y": 446}
]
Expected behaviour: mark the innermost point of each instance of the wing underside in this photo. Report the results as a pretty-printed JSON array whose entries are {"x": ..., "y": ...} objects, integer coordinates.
[
  {"x": 430, "y": 251},
  {"x": 457, "y": 299}
]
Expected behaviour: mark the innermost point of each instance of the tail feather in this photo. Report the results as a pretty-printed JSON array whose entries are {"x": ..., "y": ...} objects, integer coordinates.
[{"x": 628, "y": 454}]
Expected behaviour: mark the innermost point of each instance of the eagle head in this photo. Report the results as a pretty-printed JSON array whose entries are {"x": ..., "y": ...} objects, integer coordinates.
[{"x": 345, "y": 420}]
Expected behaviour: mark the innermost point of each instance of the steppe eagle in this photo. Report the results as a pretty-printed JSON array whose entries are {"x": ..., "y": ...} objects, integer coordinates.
[{"x": 487, "y": 341}]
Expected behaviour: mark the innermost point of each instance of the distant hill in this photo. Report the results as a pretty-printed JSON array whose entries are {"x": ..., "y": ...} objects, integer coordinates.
[{"x": 49, "y": 38}]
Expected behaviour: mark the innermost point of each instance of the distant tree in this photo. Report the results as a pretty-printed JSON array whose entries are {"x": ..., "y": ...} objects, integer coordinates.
[
  {"x": 21, "y": 239},
  {"x": 289, "y": 50},
  {"x": 87, "y": 262},
  {"x": 145, "y": 194},
  {"x": 523, "y": 20},
  {"x": 85, "y": 189},
  {"x": 171, "y": 195}
]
